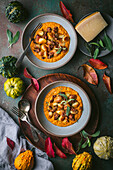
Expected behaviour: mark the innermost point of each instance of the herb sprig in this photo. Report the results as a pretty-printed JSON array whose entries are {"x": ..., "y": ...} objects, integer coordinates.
[
  {"x": 85, "y": 135},
  {"x": 12, "y": 40},
  {"x": 94, "y": 48}
]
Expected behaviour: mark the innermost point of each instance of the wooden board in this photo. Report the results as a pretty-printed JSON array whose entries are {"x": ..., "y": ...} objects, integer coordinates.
[{"x": 31, "y": 94}]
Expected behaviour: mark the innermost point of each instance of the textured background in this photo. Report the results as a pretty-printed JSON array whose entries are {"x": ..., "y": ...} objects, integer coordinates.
[{"x": 78, "y": 8}]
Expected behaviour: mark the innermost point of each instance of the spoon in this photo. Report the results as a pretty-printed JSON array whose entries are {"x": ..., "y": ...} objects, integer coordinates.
[{"x": 24, "y": 106}]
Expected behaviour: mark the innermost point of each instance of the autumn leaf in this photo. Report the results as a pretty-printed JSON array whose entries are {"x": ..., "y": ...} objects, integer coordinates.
[
  {"x": 26, "y": 74},
  {"x": 66, "y": 13},
  {"x": 34, "y": 81},
  {"x": 49, "y": 148},
  {"x": 96, "y": 63},
  {"x": 59, "y": 152},
  {"x": 10, "y": 143},
  {"x": 107, "y": 82},
  {"x": 90, "y": 74},
  {"x": 67, "y": 146}
]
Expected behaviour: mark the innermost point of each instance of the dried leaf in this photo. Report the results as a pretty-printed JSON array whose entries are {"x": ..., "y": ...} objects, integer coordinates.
[
  {"x": 59, "y": 152},
  {"x": 10, "y": 143},
  {"x": 107, "y": 82},
  {"x": 96, "y": 63},
  {"x": 26, "y": 74},
  {"x": 90, "y": 75},
  {"x": 35, "y": 84},
  {"x": 34, "y": 81},
  {"x": 67, "y": 146},
  {"x": 66, "y": 13},
  {"x": 48, "y": 148}
]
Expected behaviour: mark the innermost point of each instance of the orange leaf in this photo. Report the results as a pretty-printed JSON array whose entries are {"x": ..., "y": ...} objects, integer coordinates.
[
  {"x": 66, "y": 13},
  {"x": 107, "y": 82},
  {"x": 90, "y": 75},
  {"x": 67, "y": 146},
  {"x": 96, "y": 63}
]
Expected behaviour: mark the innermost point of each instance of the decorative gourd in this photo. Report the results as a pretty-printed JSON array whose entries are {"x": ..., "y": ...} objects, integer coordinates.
[
  {"x": 7, "y": 66},
  {"x": 103, "y": 147},
  {"x": 82, "y": 161},
  {"x": 24, "y": 161},
  {"x": 14, "y": 87},
  {"x": 15, "y": 12}
]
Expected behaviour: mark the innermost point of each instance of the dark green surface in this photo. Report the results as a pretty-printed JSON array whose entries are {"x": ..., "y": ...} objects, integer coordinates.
[{"x": 78, "y": 8}]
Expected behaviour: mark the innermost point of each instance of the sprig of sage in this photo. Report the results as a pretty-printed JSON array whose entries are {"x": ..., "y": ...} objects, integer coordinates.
[
  {"x": 94, "y": 48},
  {"x": 68, "y": 110},
  {"x": 85, "y": 135},
  {"x": 59, "y": 50},
  {"x": 63, "y": 95},
  {"x": 12, "y": 40}
]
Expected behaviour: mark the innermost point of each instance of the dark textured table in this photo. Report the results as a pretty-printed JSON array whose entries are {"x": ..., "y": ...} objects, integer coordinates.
[{"x": 78, "y": 8}]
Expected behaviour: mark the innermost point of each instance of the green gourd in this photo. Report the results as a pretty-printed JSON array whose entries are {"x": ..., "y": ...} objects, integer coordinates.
[
  {"x": 14, "y": 87},
  {"x": 7, "y": 66},
  {"x": 15, "y": 12}
]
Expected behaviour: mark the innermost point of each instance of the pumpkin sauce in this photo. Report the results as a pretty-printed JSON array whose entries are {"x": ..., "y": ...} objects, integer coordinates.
[
  {"x": 51, "y": 42},
  {"x": 63, "y": 106}
]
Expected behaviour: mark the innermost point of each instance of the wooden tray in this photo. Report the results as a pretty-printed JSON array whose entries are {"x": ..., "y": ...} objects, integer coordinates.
[{"x": 31, "y": 95}]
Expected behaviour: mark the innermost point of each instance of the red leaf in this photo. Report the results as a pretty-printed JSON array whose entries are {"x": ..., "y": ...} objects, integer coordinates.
[
  {"x": 26, "y": 74},
  {"x": 89, "y": 74},
  {"x": 67, "y": 146},
  {"x": 48, "y": 148},
  {"x": 96, "y": 63},
  {"x": 59, "y": 152},
  {"x": 35, "y": 84},
  {"x": 34, "y": 81},
  {"x": 66, "y": 13},
  {"x": 107, "y": 82},
  {"x": 10, "y": 143}
]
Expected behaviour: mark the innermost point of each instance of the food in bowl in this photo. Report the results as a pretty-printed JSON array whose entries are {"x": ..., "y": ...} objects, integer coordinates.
[
  {"x": 63, "y": 106},
  {"x": 91, "y": 26},
  {"x": 51, "y": 42}
]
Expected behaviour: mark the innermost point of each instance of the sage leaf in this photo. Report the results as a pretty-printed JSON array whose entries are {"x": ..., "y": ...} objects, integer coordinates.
[
  {"x": 84, "y": 145},
  {"x": 70, "y": 100},
  {"x": 94, "y": 43},
  {"x": 59, "y": 51},
  {"x": 80, "y": 143},
  {"x": 68, "y": 110},
  {"x": 96, "y": 52},
  {"x": 85, "y": 134},
  {"x": 88, "y": 142},
  {"x": 108, "y": 42},
  {"x": 9, "y": 36},
  {"x": 16, "y": 37},
  {"x": 101, "y": 43},
  {"x": 63, "y": 101},
  {"x": 96, "y": 134},
  {"x": 63, "y": 95},
  {"x": 12, "y": 39}
]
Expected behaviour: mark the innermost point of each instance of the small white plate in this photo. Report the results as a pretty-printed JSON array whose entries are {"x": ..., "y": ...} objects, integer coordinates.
[
  {"x": 56, "y": 130},
  {"x": 49, "y": 17}
]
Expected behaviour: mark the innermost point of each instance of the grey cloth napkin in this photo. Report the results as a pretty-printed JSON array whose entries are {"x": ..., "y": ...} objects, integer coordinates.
[{"x": 8, "y": 128}]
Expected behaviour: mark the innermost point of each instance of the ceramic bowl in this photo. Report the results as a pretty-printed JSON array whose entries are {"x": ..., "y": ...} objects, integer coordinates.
[
  {"x": 56, "y": 130},
  {"x": 49, "y": 17}
]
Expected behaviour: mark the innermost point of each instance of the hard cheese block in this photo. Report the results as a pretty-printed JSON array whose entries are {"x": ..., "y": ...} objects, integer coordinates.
[{"x": 91, "y": 26}]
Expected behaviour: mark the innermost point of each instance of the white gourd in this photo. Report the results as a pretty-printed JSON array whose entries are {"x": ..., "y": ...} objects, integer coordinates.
[{"x": 103, "y": 147}]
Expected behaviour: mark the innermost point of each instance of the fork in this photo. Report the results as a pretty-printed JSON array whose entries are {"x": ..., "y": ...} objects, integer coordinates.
[
  {"x": 31, "y": 37},
  {"x": 23, "y": 117}
]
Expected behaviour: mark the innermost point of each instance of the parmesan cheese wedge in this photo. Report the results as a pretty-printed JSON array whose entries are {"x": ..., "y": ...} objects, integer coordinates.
[{"x": 91, "y": 26}]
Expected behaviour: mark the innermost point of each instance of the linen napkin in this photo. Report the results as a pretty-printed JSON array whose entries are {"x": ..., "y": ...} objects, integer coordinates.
[{"x": 9, "y": 129}]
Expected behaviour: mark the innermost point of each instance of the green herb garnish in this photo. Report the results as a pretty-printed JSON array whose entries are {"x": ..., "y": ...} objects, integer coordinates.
[
  {"x": 12, "y": 40},
  {"x": 68, "y": 110},
  {"x": 96, "y": 52},
  {"x": 108, "y": 42},
  {"x": 59, "y": 50},
  {"x": 63, "y": 95},
  {"x": 85, "y": 135}
]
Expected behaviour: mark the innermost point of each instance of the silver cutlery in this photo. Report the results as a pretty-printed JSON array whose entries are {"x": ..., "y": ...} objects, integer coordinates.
[
  {"x": 24, "y": 106},
  {"x": 23, "y": 117},
  {"x": 20, "y": 59}
]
